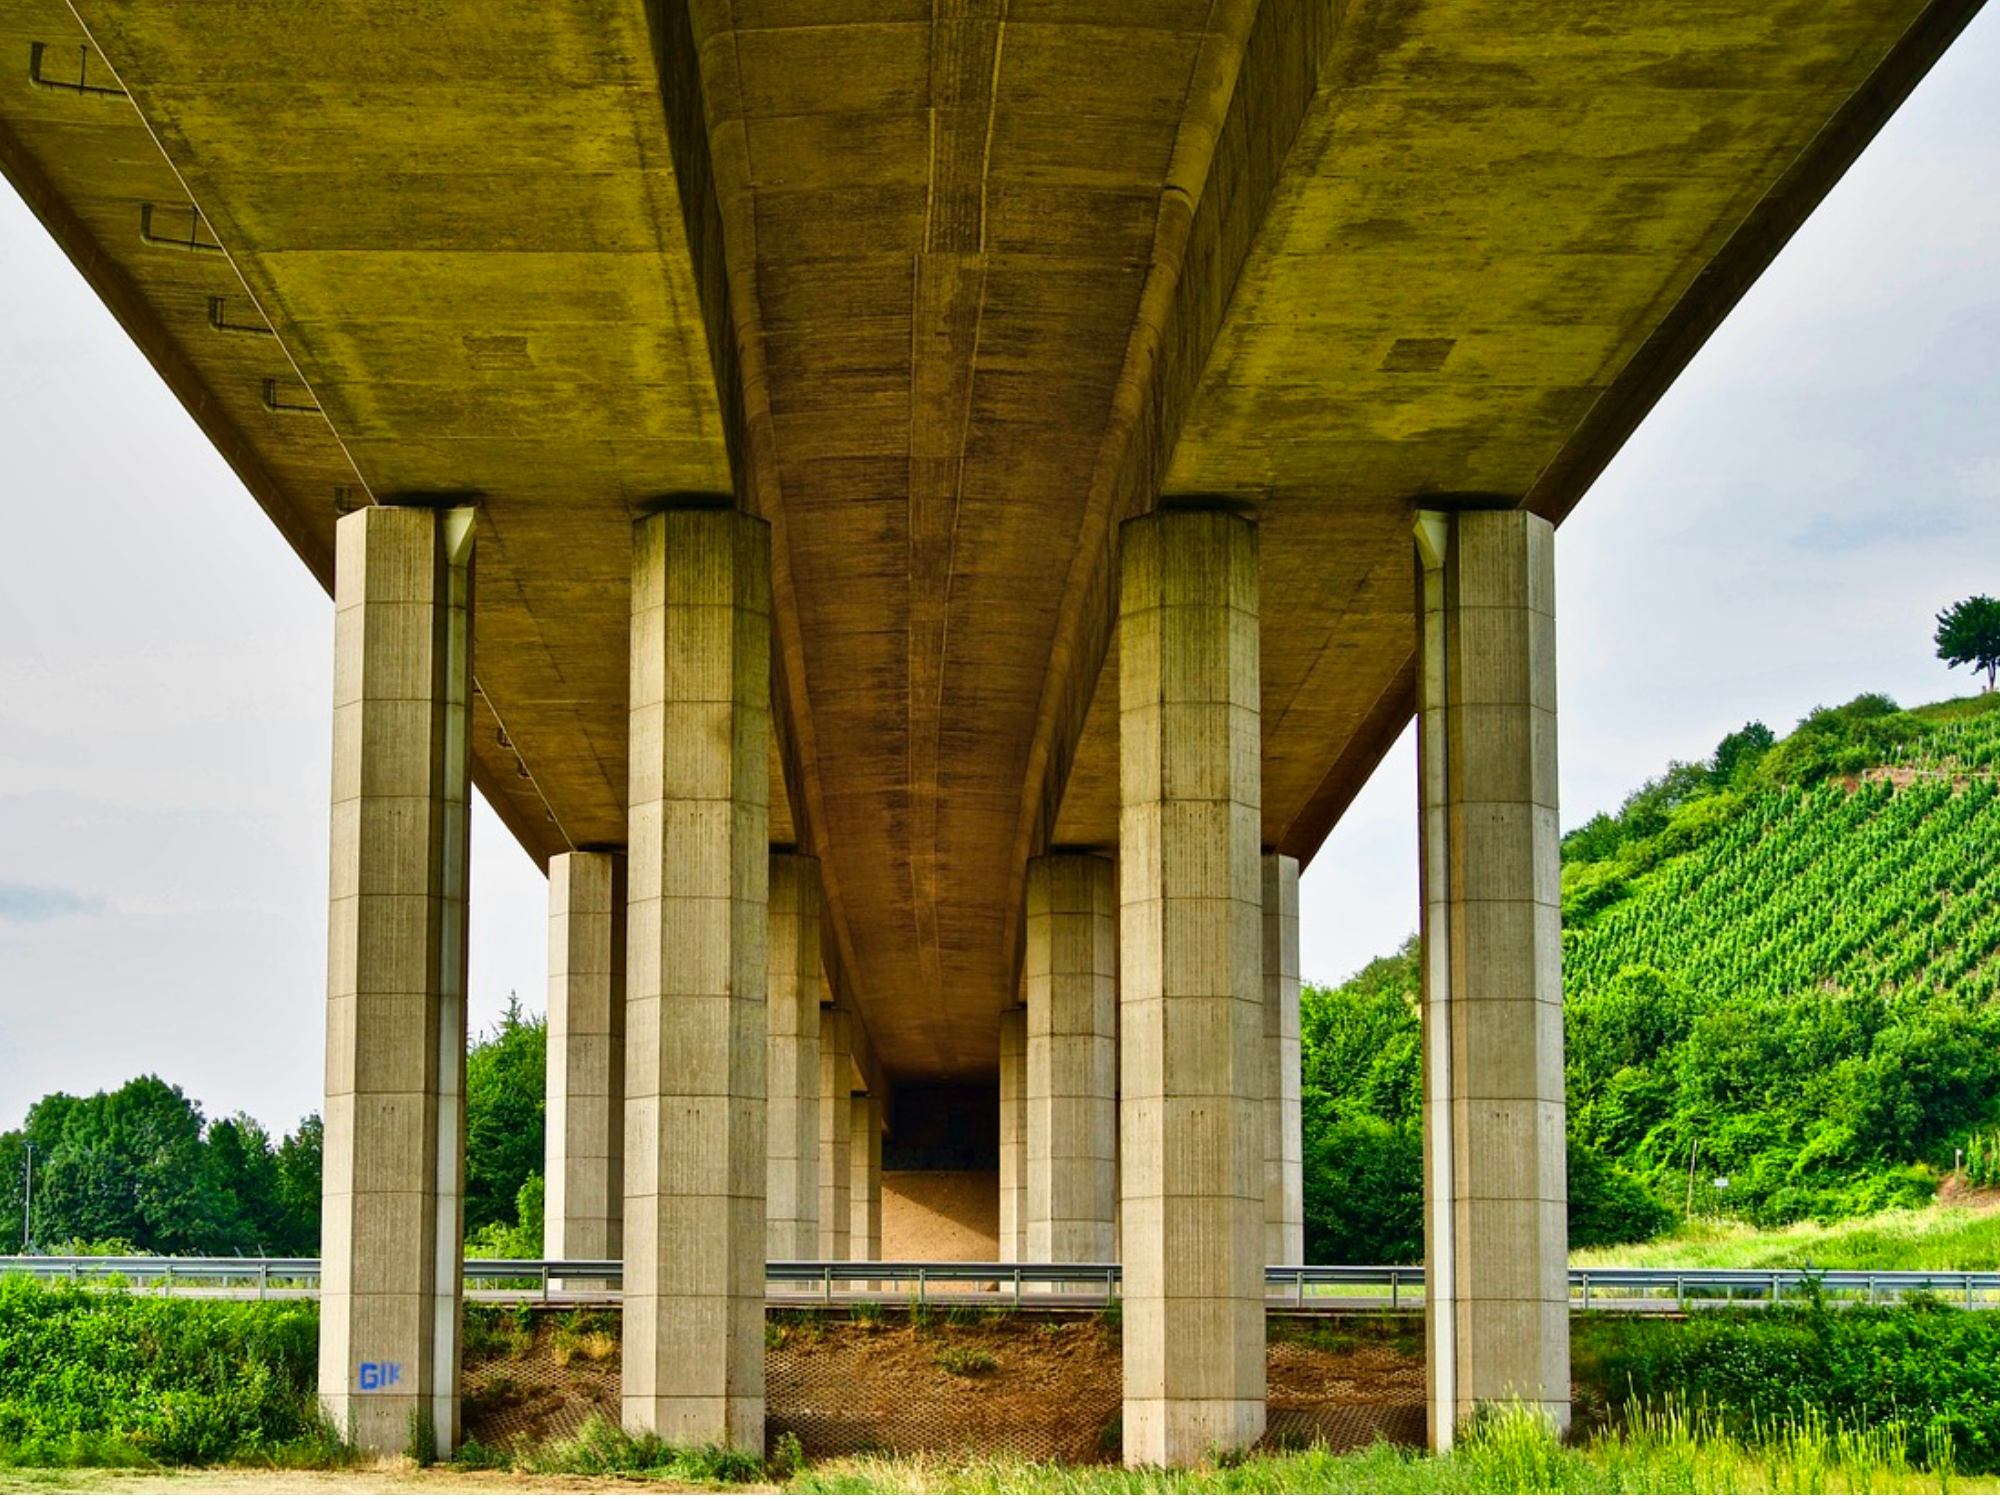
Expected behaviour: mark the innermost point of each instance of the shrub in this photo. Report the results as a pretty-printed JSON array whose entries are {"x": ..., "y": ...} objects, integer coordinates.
[{"x": 90, "y": 1376}]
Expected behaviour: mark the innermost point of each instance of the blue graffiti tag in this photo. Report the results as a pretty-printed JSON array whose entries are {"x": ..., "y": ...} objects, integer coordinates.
[{"x": 375, "y": 1374}]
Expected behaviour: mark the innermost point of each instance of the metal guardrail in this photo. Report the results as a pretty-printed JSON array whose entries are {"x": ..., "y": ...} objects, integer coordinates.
[{"x": 1083, "y": 1284}]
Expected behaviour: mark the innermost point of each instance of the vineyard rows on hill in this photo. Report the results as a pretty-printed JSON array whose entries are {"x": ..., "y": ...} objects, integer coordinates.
[{"x": 1866, "y": 890}]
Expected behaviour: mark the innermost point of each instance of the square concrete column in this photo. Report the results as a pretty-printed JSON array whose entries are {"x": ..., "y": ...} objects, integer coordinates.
[
  {"x": 1072, "y": 982},
  {"x": 836, "y": 1129},
  {"x": 584, "y": 1151},
  {"x": 696, "y": 977},
  {"x": 1284, "y": 1184},
  {"x": 1191, "y": 1015},
  {"x": 1014, "y": 1134},
  {"x": 792, "y": 1206},
  {"x": 392, "y": 1233},
  {"x": 864, "y": 1232},
  {"x": 1495, "y": 1191}
]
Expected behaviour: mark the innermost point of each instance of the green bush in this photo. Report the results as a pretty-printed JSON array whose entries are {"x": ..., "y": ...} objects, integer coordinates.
[
  {"x": 91, "y": 1376},
  {"x": 1932, "y": 1368}
]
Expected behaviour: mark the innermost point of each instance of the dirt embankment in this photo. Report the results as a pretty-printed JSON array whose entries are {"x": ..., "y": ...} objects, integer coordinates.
[{"x": 968, "y": 1379}]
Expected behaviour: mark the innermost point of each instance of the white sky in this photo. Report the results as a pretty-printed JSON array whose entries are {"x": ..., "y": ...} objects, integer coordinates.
[{"x": 1778, "y": 534}]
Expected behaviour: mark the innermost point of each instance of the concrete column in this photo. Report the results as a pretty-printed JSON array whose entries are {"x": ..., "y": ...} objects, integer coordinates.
[
  {"x": 697, "y": 979},
  {"x": 1014, "y": 1134},
  {"x": 1495, "y": 1193},
  {"x": 792, "y": 1207},
  {"x": 836, "y": 1128},
  {"x": 1284, "y": 1186},
  {"x": 1191, "y": 1016},
  {"x": 393, "y": 1217},
  {"x": 584, "y": 1154},
  {"x": 864, "y": 1234},
  {"x": 1072, "y": 1113}
]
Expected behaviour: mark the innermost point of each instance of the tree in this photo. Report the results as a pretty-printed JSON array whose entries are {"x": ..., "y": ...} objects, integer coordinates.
[
  {"x": 299, "y": 1156},
  {"x": 1968, "y": 635},
  {"x": 504, "y": 1104}
]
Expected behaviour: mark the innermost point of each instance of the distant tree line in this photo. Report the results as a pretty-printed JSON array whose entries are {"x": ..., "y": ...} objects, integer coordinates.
[{"x": 141, "y": 1170}]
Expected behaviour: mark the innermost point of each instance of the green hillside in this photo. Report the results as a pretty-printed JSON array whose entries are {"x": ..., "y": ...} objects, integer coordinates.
[{"x": 1783, "y": 960}]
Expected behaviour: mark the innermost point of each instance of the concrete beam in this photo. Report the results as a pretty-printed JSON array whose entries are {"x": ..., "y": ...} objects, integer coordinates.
[
  {"x": 1495, "y": 1193},
  {"x": 1014, "y": 1134},
  {"x": 864, "y": 1231},
  {"x": 792, "y": 1195},
  {"x": 695, "y": 1166},
  {"x": 392, "y": 1206},
  {"x": 584, "y": 1151},
  {"x": 1072, "y": 1084},
  {"x": 1191, "y": 1022},
  {"x": 836, "y": 1128},
  {"x": 1284, "y": 1143}
]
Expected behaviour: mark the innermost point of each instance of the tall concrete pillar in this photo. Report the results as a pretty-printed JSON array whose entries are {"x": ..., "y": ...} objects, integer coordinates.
[
  {"x": 1284, "y": 1184},
  {"x": 1495, "y": 1192},
  {"x": 864, "y": 1233},
  {"x": 1072, "y": 982},
  {"x": 1191, "y": 1015},
  {"x": 697, "y": 977},
  {"x": 392, "y": 1234},
  {"x": 792, "y": 1207},
  {"x": 584, "y": 1151},
  {"x": 836, "y": 1129},
  {"x": 1014, "y": 1134}
]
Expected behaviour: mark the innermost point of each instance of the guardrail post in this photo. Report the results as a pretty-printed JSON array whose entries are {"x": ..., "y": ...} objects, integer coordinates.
[
  {"x": 1586, "y": 1291},
  {"x": 1968, "y": 1291},
  {"x": 1395, "y": 1288},
  {"x": 263, "y": 1278}
]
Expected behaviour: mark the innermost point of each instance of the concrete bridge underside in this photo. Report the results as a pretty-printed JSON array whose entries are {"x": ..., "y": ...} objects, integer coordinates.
[{"x": 914, "y": 443}]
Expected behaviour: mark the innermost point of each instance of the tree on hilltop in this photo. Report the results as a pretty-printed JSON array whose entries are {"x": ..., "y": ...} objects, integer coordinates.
[{"x": 1968, "y": 635}]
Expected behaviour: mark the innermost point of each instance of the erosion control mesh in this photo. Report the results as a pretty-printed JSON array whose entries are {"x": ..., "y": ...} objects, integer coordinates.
[{"x": 947, "y": 1382}]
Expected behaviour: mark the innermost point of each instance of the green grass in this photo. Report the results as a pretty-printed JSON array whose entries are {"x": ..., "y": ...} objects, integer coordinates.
[
  {"x": 1933, "y": 1238},
  {"x": 1660, "y": 1452},
  {"x": 103, "y": 1377}
]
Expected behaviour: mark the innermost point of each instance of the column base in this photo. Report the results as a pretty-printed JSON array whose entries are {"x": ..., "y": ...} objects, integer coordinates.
[{"x": 1164, "y": 1432}]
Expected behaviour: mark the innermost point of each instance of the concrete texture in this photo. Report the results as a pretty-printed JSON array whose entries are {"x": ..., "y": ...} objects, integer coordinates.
[
  {"x": 945, "y": 312},
  {"x": 392, "y": 1208},
  {"x": 836, "y": 1130},
  {"x": 1284, "y": 1185},
  {"x": 948, "y": 314},
  {"x": 695, "y": 1164},
  {"x": 584, "y": 1151},
  {"x": 864, "y": 1225},
  {"x": 1072, "y": 1081},
  {"x": 1191, "y": 1004},
  {"x": 1012, "y": 1232},
  {"x": 1495, "y": 1194},
  {"x": 791, "y": 1209}
]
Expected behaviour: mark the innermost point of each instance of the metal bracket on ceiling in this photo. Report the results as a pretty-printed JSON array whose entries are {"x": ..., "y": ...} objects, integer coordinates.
[
  {"x": 38, "y": 74},
  {"x": 173, "y": 240},
  {"x": 272, "y": 402},
  {"x": 219, "y": 320}
]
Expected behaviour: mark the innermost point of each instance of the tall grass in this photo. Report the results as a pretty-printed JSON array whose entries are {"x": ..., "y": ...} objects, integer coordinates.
[
  {"x": 1933, "y": 1238},
  {"x": 1659, "y": 1450},
  {"x": 93, "y": 1376}
]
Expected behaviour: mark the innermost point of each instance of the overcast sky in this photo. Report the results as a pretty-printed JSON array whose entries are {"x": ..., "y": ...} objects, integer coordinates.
[{"x": 1780, "y": 533}]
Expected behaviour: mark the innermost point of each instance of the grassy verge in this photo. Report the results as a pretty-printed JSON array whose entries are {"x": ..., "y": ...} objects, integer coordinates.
[
  {"x": 1663, "y": 1451},
  {"x": 95, "y": 1377},
  {"x": 1937, "y": 1237}
]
